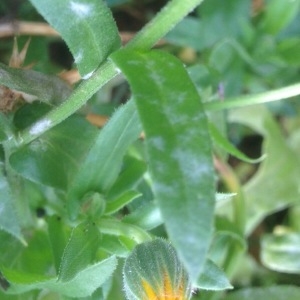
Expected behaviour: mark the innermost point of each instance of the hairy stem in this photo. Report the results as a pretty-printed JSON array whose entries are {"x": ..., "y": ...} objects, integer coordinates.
[{"x": 164, "y": 21}]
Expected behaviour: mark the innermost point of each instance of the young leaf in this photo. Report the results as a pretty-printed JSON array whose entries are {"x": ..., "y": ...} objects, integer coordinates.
[
  {"x": 87, "y": 26},
  {"x": 103, "y": 162},
  {"x": 79, "y": 252},
  {"x": 179, "y": 149}
]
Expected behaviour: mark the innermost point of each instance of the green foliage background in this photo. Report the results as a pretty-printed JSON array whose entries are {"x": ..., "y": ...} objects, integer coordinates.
[{"x": 216, "y": 169}]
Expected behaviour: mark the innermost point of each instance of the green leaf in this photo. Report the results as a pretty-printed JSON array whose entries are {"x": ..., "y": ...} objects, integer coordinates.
[
  {"x": 230, "y": 15},
  {"x": 36, "y": 258},
  {"x": 132, "y": 172},
  {"x": 57, "y": 238},
  {"x": 266, "y": 192},
  {"x": 289, "y": 51},
  {"x": 112, "y": 3},
  {"x": 224, "y": 197},
  {"x": 147, "y": 216},
  {"x": 4, "y": 127},
  {"x": 281, "y": 252},
  {"x": 118, "y": 203},
  {"x": 53, "y": 158},
  {"x": 186, "y": 33},
  {"x": 115, "y": 227},
  {"x": 103, "y": 162},
  {"x": 226, "y": 228},
  {"x": 221, "y": 141},
  {"x": 79, "y": 252},
  {"x": 213, "y": 278},
  {"x": 179, "y": 149},
  {"x": 89, "y": 279},
  {"x": 111, "y": 244},
  {"x": 153, "y": 268},
  {"x": 278, "y": 14},
  {"x": 280, "y": 292},
  {"x": 95, "y": 35},
  {"x": 46, "y": 88},
  {"x": 10, "y": 248},
  {"x": 8, "y": 219},
  {"x": 227, "y": 235},
  {"x": 82, "y": 285}
]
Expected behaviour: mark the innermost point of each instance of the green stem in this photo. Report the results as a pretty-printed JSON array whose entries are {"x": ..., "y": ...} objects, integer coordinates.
[
  {"x": 158, "y": 27},
  {"x": 163, "y": 22},
  {"x": 274, "y": 95},
  {"x": 77, "y": 99}
]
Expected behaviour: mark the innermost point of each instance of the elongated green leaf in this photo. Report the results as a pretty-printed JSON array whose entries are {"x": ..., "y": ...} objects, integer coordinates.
[
  {"x": 281, "y": 252},
  {"x": 103, "y": 162},
  {"x": 82, "y": 285},
  {"x": 148, "y": 216},
  {"x": 8, "y": 219},
  {"x": 179, "y": 149},
  {"x": 87, "y": 27},
  {"x": 213, "y": 278},
  {"x": 53, "y": 158},
  {"x": 79, "y": 252},
  {"x": 281, "y": 292},
  {"x": 43, "y": 87}
]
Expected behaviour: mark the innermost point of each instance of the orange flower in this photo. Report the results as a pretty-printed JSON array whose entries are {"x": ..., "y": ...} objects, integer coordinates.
[{"x": 166, "y": 293}]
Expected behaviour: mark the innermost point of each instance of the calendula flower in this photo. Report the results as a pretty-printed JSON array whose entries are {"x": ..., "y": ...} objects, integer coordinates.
[{"x": 153, "y": 272}]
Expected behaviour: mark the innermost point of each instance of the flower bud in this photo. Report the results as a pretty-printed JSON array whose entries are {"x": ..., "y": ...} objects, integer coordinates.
[{"x": 153, "y": 272}]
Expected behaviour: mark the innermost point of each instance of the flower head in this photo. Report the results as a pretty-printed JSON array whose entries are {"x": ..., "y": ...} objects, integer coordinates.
[{"x": 153, "y": 272}]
